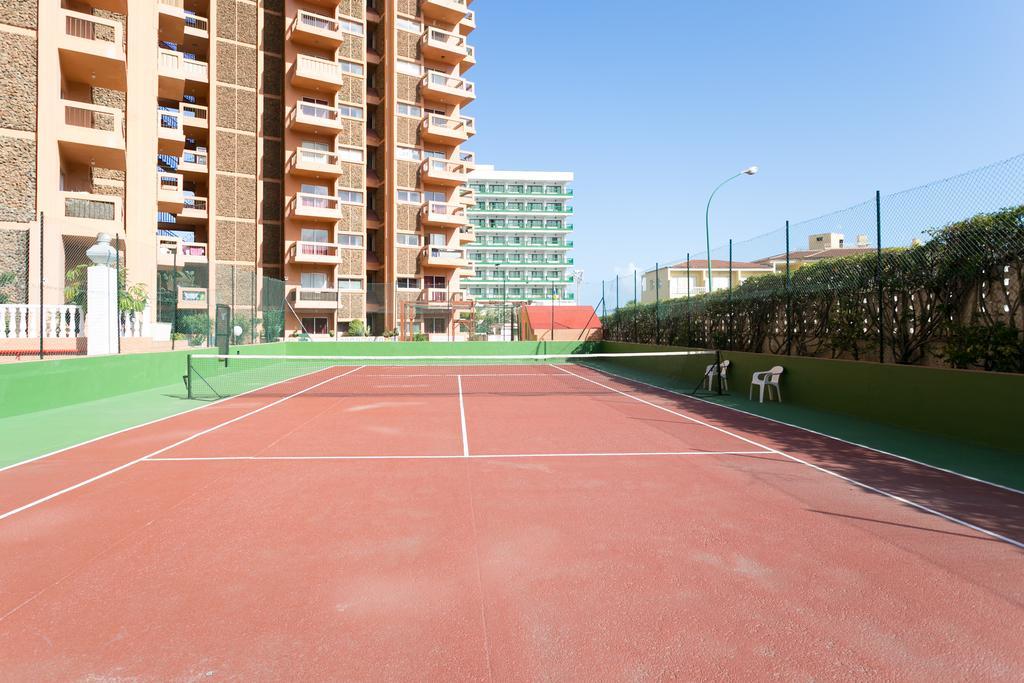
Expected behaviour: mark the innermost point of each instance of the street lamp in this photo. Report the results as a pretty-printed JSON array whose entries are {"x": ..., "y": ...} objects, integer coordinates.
[{"x": 707, "y": 214}]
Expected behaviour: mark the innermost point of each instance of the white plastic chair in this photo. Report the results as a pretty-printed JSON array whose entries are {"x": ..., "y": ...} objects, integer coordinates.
[
  {"x": 723, "y": 375},
  {"x": 768, "y": 379}
]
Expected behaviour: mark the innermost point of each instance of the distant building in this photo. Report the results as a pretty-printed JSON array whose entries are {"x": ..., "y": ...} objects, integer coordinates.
[
  {"x": 521, "y": 252},
  {"x": 559, "y": 323},
  {"x": 673, "y": 281}
]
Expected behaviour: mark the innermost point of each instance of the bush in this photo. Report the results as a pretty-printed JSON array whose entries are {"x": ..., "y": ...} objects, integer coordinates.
[{"x": 357, "y": 328}]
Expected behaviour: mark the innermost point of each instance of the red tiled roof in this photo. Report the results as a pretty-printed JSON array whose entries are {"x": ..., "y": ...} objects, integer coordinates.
[
  {"x": 565, "y": 317},
  {"x": 717, "y": 264},
  {"x": 818, "y": 254}
]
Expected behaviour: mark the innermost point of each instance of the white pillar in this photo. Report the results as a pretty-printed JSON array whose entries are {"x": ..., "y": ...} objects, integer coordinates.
[{"x": 101, "y": 319}]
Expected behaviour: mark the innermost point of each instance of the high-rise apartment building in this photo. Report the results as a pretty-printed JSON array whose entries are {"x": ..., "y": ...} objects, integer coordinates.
[
  {"x": 521, "y": 252},
  {"x": 314, "y": 141}
]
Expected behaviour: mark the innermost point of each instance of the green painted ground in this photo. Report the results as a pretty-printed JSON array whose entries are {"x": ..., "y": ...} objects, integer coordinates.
[
  {"x": 989, "y": 464},
  {"x": 32, "y": 434}
]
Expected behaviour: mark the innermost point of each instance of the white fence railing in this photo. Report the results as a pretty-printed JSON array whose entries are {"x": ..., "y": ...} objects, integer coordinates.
[{"x": 21, "y": 321}]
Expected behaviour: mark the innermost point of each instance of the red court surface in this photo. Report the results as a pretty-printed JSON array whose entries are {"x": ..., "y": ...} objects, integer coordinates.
[{"x": 499, "y": 523}]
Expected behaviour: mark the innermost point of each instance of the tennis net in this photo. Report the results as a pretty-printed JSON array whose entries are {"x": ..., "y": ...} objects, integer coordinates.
[{"x": 214, "y": 376}]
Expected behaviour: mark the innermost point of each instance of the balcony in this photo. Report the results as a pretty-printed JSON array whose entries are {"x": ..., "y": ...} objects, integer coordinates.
[
  {"x": 193, "y": 298},
  {"x": 468, "y": 23},
  {"x": 444, "y": 215},
  {"x": 196, "y": 71},
  {"x": 470, "y": 61},
  {"x": 316, "y": 30},
  {"x": 444, "y": 257},
  {"x": 315, "y": 299},
  {"x": 445, "y": 11},
  {"x": 444, "y": 172},
  {"x": 468, "y": 159},
  {"x": 170, "y": 74},
  {"x": 170, "y": 132},
  {"x": 443, "y": 46},
  {"x": 445, "y": 130},
  {"x": 309, "y": 117},
  {"x": 314, "y": 73},
  {"x": 323, "y": 253},
  {"x": 87, "y": 214},
  {"x": 172, "y": 20},
  {"x": 92, "y": 134},
  {"x": 195, "y": 116},
  {"x": 314, "y": 163},
  {"x": 194, "y": 211},
  {"x": 466, "y": 195},
  {"x": 92, "y": 50},
  {"x": 170, "y": 192},
  {"x": 171, "y": 251},
  {"x": 448, "y": 89},
  {"x": 194, "y": 163},
  {"x": 466, "y": 235},
  {"x": 316, "y": 207}
]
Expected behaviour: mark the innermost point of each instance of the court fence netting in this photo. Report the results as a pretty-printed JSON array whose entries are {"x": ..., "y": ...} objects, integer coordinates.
[{"x": 218, "y": 376}]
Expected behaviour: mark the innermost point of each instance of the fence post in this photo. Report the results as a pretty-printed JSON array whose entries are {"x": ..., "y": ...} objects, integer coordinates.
[
  {"x": 42, "y": 252},
  {"x": 636, "y": 304},
  {"x": 878, "y": 276},
  {"x": 789, "y": 301},
  {"x": 689, "y": 303},
  {"x": 504, "y": 304},
  {"x": 604, "y": 307},
  {"x": 117, "y": 286},
  {"x": 729, "y": 329},
  {"x": 657, "y": 301}
]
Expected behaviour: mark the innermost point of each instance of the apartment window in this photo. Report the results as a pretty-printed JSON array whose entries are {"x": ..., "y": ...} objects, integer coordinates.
[
  {"x": 553, "y": 207},
  {"x": 350, "y": 112},
  {"x": 353, "y": 27},
  {"x": 434, "y": 197},
  {"x": 409, "y": 197},
  {"x": 350, "y": 284},
  {"x": 314, "y": 235},
  {"x": 497, "y": 188},
  {"x": 409, "y": 68},
  {"x": 350, "y": 197},
  {"x": 537, "y": 274},
  {"x": 438, "y": 240},
  {"x": 350, "y": 240},
  {"x": 409, "y": 110},
  {"x": 314, "y": 325},
  {"x": 314, "y": 146},
  {"x": 435, "y": 325},
  {"x": 497, "y": 223},
  {"x": 407, "y": 153},
  {"x": 515, "y": 206},
  {"x": 434, "y": 281},
  {"x": 497, "y": 206},
  {"x": 535, "y": 224},
  {"x": 553, "y": 224},
  {"x": 409, "y": 25},
  {"x": 478, "y": 187},
  {"x": 554, "y": 189},
  {"x": 320, "y": 190},
  {"x": 515, "y": 239},
  {"x": 516, "y": 189},
  {"x": 407, "y": 283},
  {"x": 430, "y": 154},
  {"x": 537, "y": 291},
  {"x": 535, "y": 206},
  {"x": 406, "y": 239},
  {"x": 313, "y": 280},
  {"x": 351, "y": 68},
  {"x": 355, "y": 156},
  {"x": 515, "y": 274},
  {"x": 535, "y": 189}
]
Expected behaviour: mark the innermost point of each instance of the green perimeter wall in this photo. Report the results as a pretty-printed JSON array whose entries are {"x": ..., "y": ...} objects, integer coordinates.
[
  {"x": 977, "y": 407},
  {"x": 30, "y": 386}
]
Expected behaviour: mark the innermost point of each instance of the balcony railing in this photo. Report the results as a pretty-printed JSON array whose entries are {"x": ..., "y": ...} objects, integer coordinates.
[
  {"x": 170, "y": 123},
  {"x": 316, "y": 252},
  {"x": 107, "y": 33},
  {"x": 196, "y": 70},
  {"x": 445, "y": 256},
  {"x": 313, "y": 72},
  {"x": 318, "y": 30},
  {"x": 315, "y": 162},
  {"x": 317, "y": 206},
  {"x": 451, "y": 89},
  {"x": 195, "y": 116},
  {"x": 316, "y": 298},
  {"x": 172, "y": 251},
  {"x": 91, "y": 207},
  {"x": 443, "y": 45},
  {"x": 196, "y": 161},
  {"x": 449, "y": 11},
  {"x": 444, "y": 171},
  {"x": 446, "y": 128},
  {"x": 440, "y": 213},
  {"x": 93, "y": 117}
]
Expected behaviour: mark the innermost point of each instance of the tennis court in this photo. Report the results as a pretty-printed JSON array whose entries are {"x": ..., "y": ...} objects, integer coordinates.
[{"x": 495, "y": 519}]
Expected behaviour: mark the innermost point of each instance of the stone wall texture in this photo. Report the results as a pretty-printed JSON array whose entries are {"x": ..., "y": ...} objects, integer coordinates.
[
  {"x": 353, "y": 90},
  {"x": 408, "y": 45},
  {"x": 21, "y": 13},
  {"x": 407, "y": 261},
  {"x": 352, "y": 262},
  {"x": 18, "y": 190},
  {"x": 407, "y": 130},
  {"x": 407, "y": 218},
  {"x": 353, "y": 47},
  {"x": 408, "y": 88},
  {"x": 18, "y": 83},
  {"x": 355, "y": 9},
  {"x": 408, "y": 173},
  {"x": 14, "y": 262},
  {"x": 408, "y": 7}
]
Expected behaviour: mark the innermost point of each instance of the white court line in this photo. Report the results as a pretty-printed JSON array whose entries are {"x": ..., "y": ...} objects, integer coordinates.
[
  {"x": 11, "y": 513},
  {"x": 850, "y": 480},
  {"x": 462, "y": 417},
  {"x": 808, "y": 430},
  {"x": 491, "y": 456},
  {"x": 153, "y": 422}
]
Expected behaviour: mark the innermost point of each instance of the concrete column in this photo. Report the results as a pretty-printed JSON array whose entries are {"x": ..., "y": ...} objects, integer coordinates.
[{"x": 101, "y": 319}]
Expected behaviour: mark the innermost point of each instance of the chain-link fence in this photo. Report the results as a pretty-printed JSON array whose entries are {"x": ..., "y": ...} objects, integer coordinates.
[{"x": 930, "y": 275}]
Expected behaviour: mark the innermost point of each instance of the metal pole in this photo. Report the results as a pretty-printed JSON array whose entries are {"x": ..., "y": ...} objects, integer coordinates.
[
  {"x": 689, "y": 318},
  {"x": 504, "y": 304},
  {"x": 174, "y": 291},
  {"x": 707, "y": 224},
  {"x": 604, "y": 308},
  {"x": 729, "y": 340},
  {"x": 789, "y": 301},
  {"x": 117, "y": 260},
  {"x": 252, "y": 312},
  {"x": 552, "y": 336},
  {"x": 878, "y": 276},
  {"x": 42, "y": 253},
  {"x": 657, "y": 301},
  {"x": 616, "y": 293},
  {"x": 636, "y": 322}
]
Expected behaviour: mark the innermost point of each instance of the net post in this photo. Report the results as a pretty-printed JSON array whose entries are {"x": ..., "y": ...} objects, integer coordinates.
[
  {"x": 188, "y": 376},
  {"x": 718, "y": 370}
]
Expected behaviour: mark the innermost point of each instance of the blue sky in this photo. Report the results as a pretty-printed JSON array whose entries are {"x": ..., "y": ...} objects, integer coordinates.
[{"x": 652, "y": 109}]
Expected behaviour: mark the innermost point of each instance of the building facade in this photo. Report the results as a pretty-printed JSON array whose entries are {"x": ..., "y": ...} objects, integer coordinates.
[
  {"x": 311, "y": 142},
  {"x": 522, "y": 248}
]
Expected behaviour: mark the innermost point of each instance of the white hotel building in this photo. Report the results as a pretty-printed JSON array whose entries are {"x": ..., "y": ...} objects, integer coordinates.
[{"x": 521, "y": 252}]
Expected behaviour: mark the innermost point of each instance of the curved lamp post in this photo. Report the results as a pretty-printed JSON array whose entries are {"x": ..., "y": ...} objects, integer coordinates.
[{"x": 707, "y": 215}]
